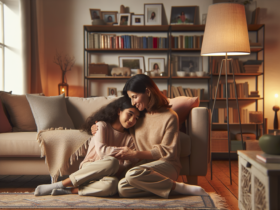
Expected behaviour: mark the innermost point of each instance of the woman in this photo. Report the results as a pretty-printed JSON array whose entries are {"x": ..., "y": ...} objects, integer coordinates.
[
  {"x": 98, "y": 170},
  {"x": 157, "y": 143}
]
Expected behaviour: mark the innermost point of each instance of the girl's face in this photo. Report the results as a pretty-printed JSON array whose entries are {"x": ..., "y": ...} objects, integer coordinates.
[
  {"x": 140, "y": 100},
  {"x": 128, "y": 117}
]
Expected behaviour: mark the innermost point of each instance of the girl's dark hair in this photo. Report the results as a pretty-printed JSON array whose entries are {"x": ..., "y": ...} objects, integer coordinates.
[
  {"x": 139, "y": 83},
  {"x": 108, "y": 113}
]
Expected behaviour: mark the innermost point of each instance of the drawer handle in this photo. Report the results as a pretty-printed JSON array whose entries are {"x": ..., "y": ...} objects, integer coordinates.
[{"x": 248, "y": 165}]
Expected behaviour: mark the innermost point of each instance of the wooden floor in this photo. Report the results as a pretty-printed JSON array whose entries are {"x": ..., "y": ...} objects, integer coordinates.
[{"x": 220, "y": 182}]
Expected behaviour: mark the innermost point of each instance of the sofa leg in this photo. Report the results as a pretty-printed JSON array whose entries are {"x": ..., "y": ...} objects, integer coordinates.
[{"x": 192, "y": 180}]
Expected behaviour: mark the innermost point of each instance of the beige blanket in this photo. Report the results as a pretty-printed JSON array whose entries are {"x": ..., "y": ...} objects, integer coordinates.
[{"x": 61, "y": 147}]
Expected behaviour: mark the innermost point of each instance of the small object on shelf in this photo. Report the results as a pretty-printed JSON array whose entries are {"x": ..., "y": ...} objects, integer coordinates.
[
  {"x": 137, "y": 20},
  {"x": 270, "y": 144},
  {"x": 124, "y": 19},
  {"x": 275, "y": 124},
  {"x": 200, "y": 73},
  {"x": 184, "y": 15},
  {"x": 181, "y": 73},
  {"x": 192, "y": 74},
  {"x": 63, "y": 88},
  {"x": 256, "y": 117},
  {"x": 153, "y": 14},
  {"x": 139, "y": 71},
  {"x": 109, "y": 17},
  {"x": 121, "y": 71},
  {"x": 268, "y": 158},
  {"x": 112, "y": 91},
  {"x": 98, "y": 68},
  {"x": 122, "y": 9},
  {"x": 252, "y": 145},
  {"x": 274, "y": 131}
]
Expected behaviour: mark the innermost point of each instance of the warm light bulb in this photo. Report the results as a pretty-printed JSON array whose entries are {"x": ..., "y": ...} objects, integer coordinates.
[
  {"x": 276, "y": 95},
  {"x": 62, "y": 90}
]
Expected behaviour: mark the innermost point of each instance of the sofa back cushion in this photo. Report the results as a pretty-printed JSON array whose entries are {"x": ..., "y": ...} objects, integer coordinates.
[
  {"x": 19, "y": 112},
  {"x": 80, "y": 109},
  {"x": 50, "y": 112},
  {"x": 4, "y": 122}
]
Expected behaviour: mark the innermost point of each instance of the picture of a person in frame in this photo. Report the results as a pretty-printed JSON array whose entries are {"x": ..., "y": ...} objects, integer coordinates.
[
  {"x": 152, "y": 15},
  {"x": 137, "y": 20},
  {"x": 124, "y": 20},
  {"x": 95, "y": 15},
  {"x": 112, "y": 92},
  {"x": 109, "y": 19}
]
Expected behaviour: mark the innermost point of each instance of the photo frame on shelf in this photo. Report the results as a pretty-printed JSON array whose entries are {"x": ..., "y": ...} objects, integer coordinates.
[
  {"x": 153, "y": 14},
  {"x": 183, "y": 15},
  {"x": 190, "y": 64},
  {"x": 124, "y": 19},
  {"x": 137, "y": 20},
  {"x": 109, "y": 17},
  {"x": 112, "y": 91},
  {"x": 95, "y": 14},
  {"x": 132, "y": 62},
  {"x": 156, "y": 66}
]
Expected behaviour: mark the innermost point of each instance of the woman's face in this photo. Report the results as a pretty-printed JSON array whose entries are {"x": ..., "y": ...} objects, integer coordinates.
[
  {"x": 140, "y": 100},
  {"x": 128, "y": 117}
]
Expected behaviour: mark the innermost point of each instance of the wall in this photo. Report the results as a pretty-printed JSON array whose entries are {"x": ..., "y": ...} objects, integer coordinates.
[{"x": 61, "y": 29}]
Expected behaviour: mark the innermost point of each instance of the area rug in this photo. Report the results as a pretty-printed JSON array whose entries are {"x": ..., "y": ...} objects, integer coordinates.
[{"x": 28, "y": 200}]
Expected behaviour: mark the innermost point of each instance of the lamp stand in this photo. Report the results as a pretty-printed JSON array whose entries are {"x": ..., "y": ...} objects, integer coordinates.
[
  {"x": 229, "y": 145},
  {"x": 275, "y": 124}
]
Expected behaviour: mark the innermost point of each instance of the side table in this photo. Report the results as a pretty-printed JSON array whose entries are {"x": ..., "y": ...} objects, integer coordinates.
[{"x": 258, "y": 182}]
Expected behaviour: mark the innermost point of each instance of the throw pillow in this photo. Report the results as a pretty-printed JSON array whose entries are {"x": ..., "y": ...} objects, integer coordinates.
[
  {"x": 182, "y": 105},
  {"x": 49, "y": 112},
  {"x": 4, "y": 122},
  {"x": 19, "y": 112}
]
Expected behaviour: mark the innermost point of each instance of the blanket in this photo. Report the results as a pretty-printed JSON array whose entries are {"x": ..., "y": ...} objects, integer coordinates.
[{"x": 61, "y": 147}]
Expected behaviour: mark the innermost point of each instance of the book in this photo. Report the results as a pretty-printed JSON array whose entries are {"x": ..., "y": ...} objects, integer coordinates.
[{"x": 266, "y": 158}]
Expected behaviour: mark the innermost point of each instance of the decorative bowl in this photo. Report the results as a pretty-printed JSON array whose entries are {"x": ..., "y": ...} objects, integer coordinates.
[
  {"x": 181, "y": 73},
  {"x": 199, "y": 73},
  {"x": 270, "y": 144},
  {"x": 192, "y": 74}
]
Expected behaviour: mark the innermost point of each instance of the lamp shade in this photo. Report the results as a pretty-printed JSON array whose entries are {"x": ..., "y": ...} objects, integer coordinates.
[{"x": 225, "y": 31}]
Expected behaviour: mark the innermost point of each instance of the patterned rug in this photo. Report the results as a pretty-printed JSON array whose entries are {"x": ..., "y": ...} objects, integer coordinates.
[{"x": 28, "y": 200}]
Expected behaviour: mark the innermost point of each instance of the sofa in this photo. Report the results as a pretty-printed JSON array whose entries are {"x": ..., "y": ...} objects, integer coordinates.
[{"x": 20, "y": 153}]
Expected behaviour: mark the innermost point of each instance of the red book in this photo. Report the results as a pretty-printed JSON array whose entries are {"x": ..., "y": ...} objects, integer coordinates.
[
  {"x": 117, "y": 42},
  {"x": 122, "y": 43},
  {"x": 155, "y": 41}
]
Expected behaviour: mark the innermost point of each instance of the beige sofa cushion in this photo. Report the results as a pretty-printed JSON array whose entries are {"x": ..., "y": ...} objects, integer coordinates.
[
  {"x": 185, "y": 142},
  {"x": 50, "y": 112},
  {"x": 19, "y": 144},
  {"x": 19, "y": 112},
  {"x": 80, "y": 109}
]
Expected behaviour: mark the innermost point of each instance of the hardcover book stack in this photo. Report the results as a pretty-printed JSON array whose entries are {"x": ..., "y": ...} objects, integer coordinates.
[
  {"x": 219, "y": 141},
  {"x": 179, "y": 91},
  {"x": 186, "y": 42},
  {"x": 113, "y": 41},
  {"x": 236, "y": 66},
  {"x": 252, "y": 66}
]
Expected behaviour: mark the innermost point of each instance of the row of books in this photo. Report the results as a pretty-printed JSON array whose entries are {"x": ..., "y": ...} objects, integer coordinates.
[
  {"x": 220, "y": 115},
  {"x": 185, "y": 42},
  {"x": 180, "y": 91},
  {"x": 242, "y": 90},
  {"x": 237, "y": 66},
  {"x": 112, "y": 41}
]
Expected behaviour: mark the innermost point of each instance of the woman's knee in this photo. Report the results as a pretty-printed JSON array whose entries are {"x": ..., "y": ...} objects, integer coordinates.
[
  {"x": 135, "y": 173},
  {"x": 123, "y": 192},
  {"x": 111, "y": 163},
  {"x": 110, "y": 185}
]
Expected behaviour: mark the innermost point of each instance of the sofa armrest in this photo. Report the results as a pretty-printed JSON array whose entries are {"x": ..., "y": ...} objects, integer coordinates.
[{"x": 199, "y": 132}]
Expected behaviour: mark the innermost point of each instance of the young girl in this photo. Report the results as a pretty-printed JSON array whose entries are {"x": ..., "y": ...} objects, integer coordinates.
[{"x": 97, "y": 172}]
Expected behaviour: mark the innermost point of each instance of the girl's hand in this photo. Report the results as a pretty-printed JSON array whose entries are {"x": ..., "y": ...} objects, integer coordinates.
[
  {"x": 94, "y": 129},
  {"x": 125, "y": 153}
]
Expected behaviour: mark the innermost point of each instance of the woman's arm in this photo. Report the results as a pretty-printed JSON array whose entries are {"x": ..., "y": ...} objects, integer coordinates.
[{"x": 127, "y": 153}]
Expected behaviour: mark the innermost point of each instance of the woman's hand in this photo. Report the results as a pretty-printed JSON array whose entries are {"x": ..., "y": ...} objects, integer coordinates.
[
  {"x": 94, "y": 129},
  {"x": 125, "y": 153}
]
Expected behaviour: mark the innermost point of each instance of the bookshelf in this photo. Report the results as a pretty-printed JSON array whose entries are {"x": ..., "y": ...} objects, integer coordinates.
[{"x": 205, "y": 82}]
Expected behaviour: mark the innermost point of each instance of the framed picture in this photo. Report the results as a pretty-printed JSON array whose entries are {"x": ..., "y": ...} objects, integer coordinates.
[
  {"x": 112, "y": 91},
  {"x": 95, "y": 14},
  {"x": 183, "y": 15},
  {"x": 190, "y": 64},
  {"x": 153, "y": 14},
  {"x": 137, "y": 20},
  {"x": 156, "y": 66},
  {"x": 124, "y": 19},
  {"x": 132, "y": 62},
  {"x": 109, "y": 17}
]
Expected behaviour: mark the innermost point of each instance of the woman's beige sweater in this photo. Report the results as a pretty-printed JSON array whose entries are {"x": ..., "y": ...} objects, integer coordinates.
[{"x": 159, "y": 133}]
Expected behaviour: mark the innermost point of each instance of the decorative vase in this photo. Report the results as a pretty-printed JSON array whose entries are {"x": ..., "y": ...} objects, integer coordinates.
[
  {"x": 63, "y": 87},
  {"x": 270, "y": 144}
]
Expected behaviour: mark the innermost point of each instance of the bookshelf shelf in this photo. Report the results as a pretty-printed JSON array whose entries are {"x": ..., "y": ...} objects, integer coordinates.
[
  {"x": 240, "y": 74},
  {"x": 126, "y": 50},
  {"x": 185, "y": 49},
  {"x": 239, "y": 99},
  {"x": 121, "y": 77},
  {"x": 238, "y": 123},
  {"x": 205, "y": 77}
]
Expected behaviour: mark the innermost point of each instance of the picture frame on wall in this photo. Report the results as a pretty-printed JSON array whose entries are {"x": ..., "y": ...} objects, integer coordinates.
[
  {"x": 109, "y": 17},
  {"x": 112, "y": 91},
  {"x": 156, "y": 66},
  {"x": 183, "y": 15},
  {"x": 95, "y": 14},
  {"x": 132, "y": 62},
  {"x": 137, "y": 20},
  {"x": 124, "y": 19},
  {"x": 190, "y": 64},
  {"x": 153, "y": 14}
]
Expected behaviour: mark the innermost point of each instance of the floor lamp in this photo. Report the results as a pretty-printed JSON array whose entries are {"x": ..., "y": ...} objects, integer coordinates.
[{"x": 226, "y": 34}]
